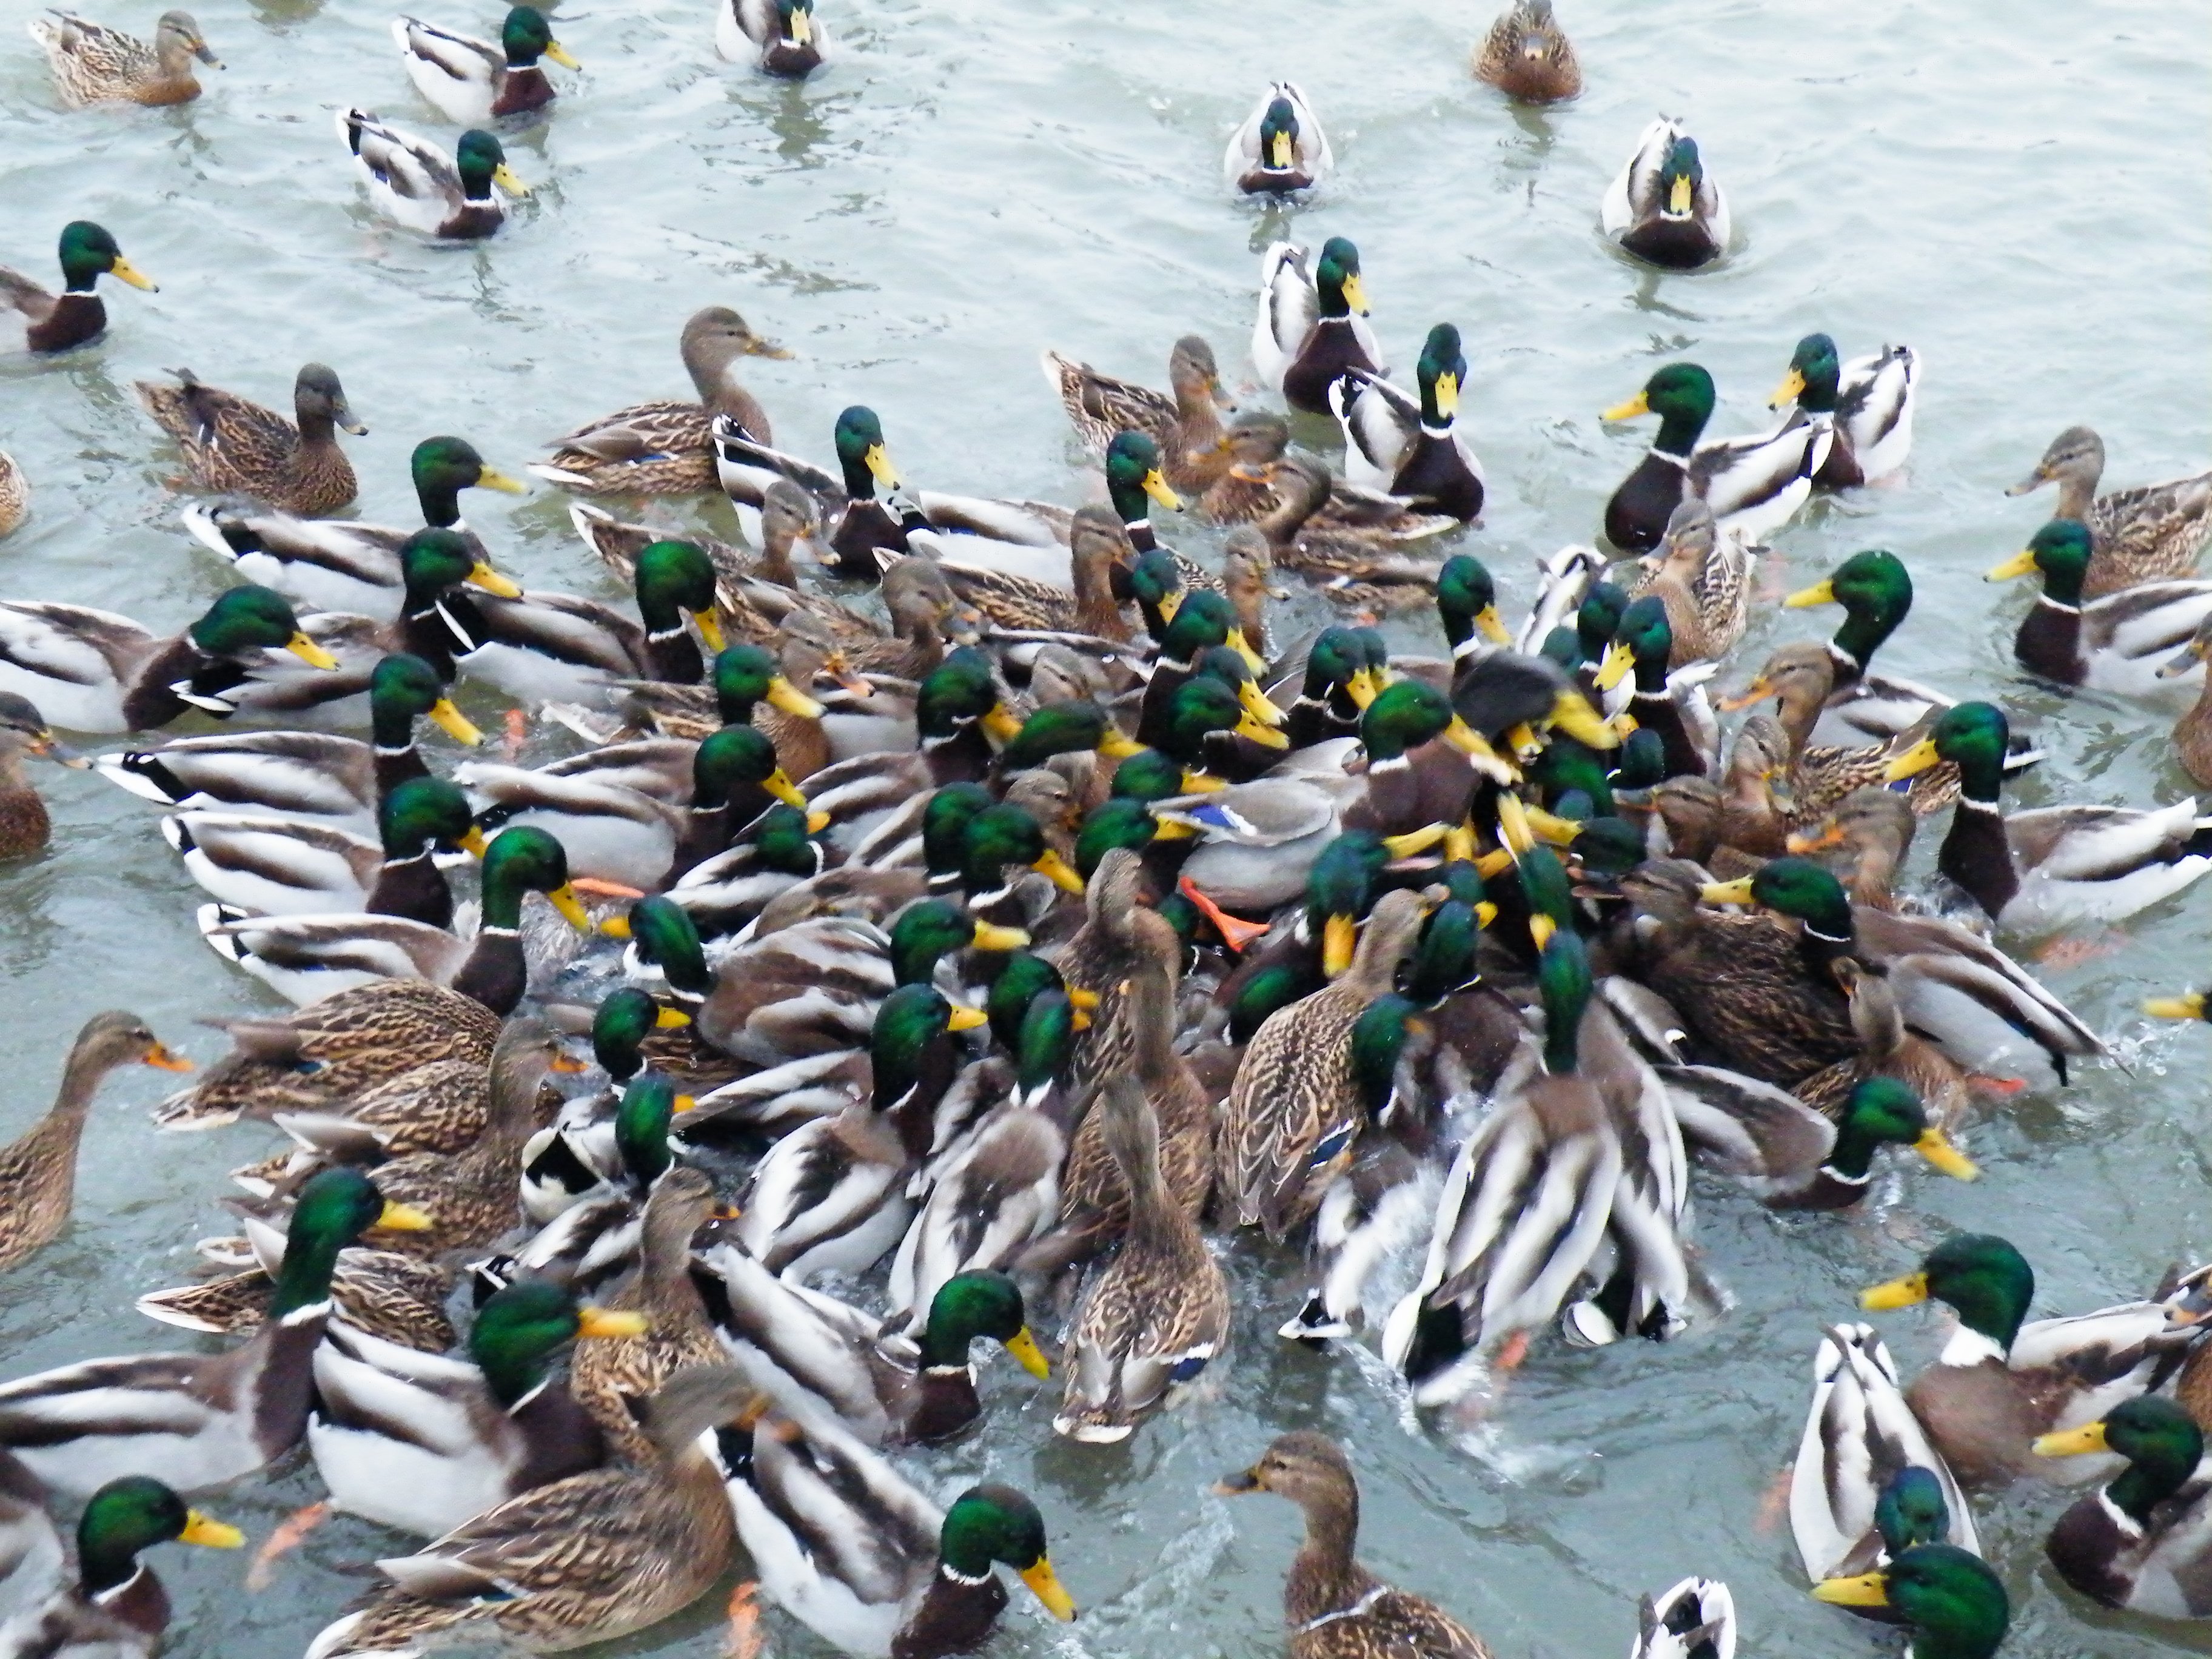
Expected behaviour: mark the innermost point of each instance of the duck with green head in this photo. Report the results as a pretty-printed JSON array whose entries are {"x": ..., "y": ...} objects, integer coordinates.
[
  {"x": 1201, "y": 622},
  {"x": 1880, "y": 1111},
  {"x": 1411, "y": 446},
  {"x": 473, "y": 82},
  {"x": 1662, "y": 208},
  {"x": 1954, "y": 1605},
  {"x": 1753, "y": 484},
  {"x": 1334, "y": 688},
  {"x": 1418, "y": 751},
  {"x": 772, "y": 853},
  {"x": 1134, "y": 484},
  {"x": 863, "y": 534},
  {"x": 1211, "y": 731},
  {"x": 999, "y": 838},
  {"x": 781, "y": 37},
  {"x": 2036, "y": 871},
  {"x": 1876, "y": 590},
  {"x": 1312, "y": 329},
  {"x": 449, "y": 197},
  {"x": 1644, "y": 645},
  {"x": 55, "y": 322},
  {"x": 2140, "y": 1544},
  {"x": 1467, "y": 600},
  {"x": 1866, "y": 405},
  {"x": 116, "y": 1607},
  {"x": 576, "y": 1154},
  {"x": 1279, "y": 148},
  {"x": 2116, "y": 643}
]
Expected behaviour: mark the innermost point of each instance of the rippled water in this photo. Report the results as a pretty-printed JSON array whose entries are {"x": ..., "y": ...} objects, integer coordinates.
[{"x": 2018, "y": 192}]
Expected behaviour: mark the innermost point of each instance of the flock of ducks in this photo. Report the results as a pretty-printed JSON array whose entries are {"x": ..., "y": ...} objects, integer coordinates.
[{"x": 979, "y": 945}]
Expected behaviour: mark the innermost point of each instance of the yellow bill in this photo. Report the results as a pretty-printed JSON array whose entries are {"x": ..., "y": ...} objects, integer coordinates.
[
  {"x": 1046, "y": 1585},
  {"x": 1355, "y": 293},
  {"x": 710, "y": 628},
  {"x": 475, "y": 843},
  {"x": 1266, "y": 736},
  {"x": 208, "y": 1533},
  {"x": 1727, "y": 892},
  {"x": 1572, "y": 715},
  {"x": 991, "y": 937},
  {"x": 1792, "y": 388},
  {"x": 1492, "y": 626},
  {"x": 1157, "y": 487},
  {"x": 559, "y": 54},
  {"x": 2021, "y": 564},
  {"x": 778, "y": 783},
  {"x": 1896, "y": 1293},
  {"x": 566, "y": 902},
  {"x": 1447, "y": 394},
  {"x": 1414, "y": 841},
  {"x": 403, "y": 1219},
  {"x": 1912, "y": 763},
  {"x": 491, "y": 477},
  {"x": 1257, "y": 704},
  {"x": 1116, "y": 746},
  {"x": 503, "y": 176},
  {"x": 2190, "y": 1005},
  {"x": 879, "y": 462},
  {"x": 671, "y": 1019},
  {"x": 1639, "y": 404},
  {"x": 1278, "y": 151},
  {"x": 1063, "y": 877},
  {"x": 1821, "y": 593},
  {"x": 310, "y": 653},
  {"x": 123, "y": 271},
  {"x": 1935, "y": 1146},
  {"x": 1869, "y": 1589},
  {"x": 2071, "y": 1442},
  {"x": 454, "y": 724},
  {"x": 600, "y": 1322},
  {"x": 1024, "y": 1348},
  {"x": 782, "y": 693},
  {"x": 1000, "y": 723},
  {"x": 1340, "y": 936},
  {"x": 1618, "y": 660},
  {"x": 965, "y": 1018}
]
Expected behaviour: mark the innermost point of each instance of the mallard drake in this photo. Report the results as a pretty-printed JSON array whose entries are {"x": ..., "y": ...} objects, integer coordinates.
[
  {"x": 2000, "y": 1383},
  {"x": 1874, "y": 1110},
  {"x": 1876, "y": 590},
  {"x": 1159, "y": 1312},
  {"x": 858, "y": 530},
  {"x": 94, "y": 64},
  {"x": 2137, "y": 1544},
  {"x": 586, "y": 1560},
  {"x": 38, "y": 1170},
  {"x": 472, "y": 81},
  {"x": 1411, "y": 445},
  {"x": 1312, "y": 328},
  {"x": 1866, "y": 405},
  {"x": 780, "y": 36},
  {"x": 115, "y": 1608},
  {"x": 1661, "y": 207},
  {"x": 198, "y": 1421},
  {"x": 15, "y": 494},
  {"x": 1672, "y": 705},
  {"x": 666, "y": 446},
  {"x": 32, "y": 319},
  {"x": 2151, "y": 533},
  {"x": 306, "y": 957},
  {"x": 1526, "y": 55},
  {"x": 413, "y": 183},
  {"x": 1334, "y": 1607},
  {"x": 93, "y": 670},
  {"x": 1280, "y": 146},
  {"x": 1183, "y": 422},
  {"x": 1703, "y": 579},
  {"x": 233, "y": 444},
  {"x": 422, "y": 1442},
  {"x": 1754, "y": 484},
  {"x": 2118, "y": 643},
  {"x": 1954, "y": 1605},
  {"x": 24, "y": 824}
]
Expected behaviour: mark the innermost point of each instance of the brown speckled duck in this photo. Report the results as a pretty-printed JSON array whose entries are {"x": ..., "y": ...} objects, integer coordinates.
[
  {"x": 1528, "y": 55},
  {"x": 234, "y": 444},
  {"x": 95, "y": 64},
  {"x": 2153, "y": 532}
]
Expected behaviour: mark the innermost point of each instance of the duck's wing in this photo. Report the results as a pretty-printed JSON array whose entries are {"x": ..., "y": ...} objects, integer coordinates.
[
  {"x": 73, "y": 643},
  {"x": 1635, "y": 189},
  {"x": 417, "y": 171},
  {"x": 461, "y": 57},
  {"x": 1290, "y": 309}
]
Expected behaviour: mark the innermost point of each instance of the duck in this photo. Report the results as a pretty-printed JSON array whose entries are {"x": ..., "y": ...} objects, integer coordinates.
[
  {"x": 1334, "y": 1607},
  {"x": 2135, "y": 1545},
  {"x": 195, "y": 1421},
  {"x": 15, "y": 494},
  {"x": 1889, "y": 1049},
  {"x": 1312, "y": 327},
  {"x": 93, "y": 671},
  {"x": 2192, "y": 733},
  {"x": 1662, "y": 207},
  {"x": 1863, "y": 838},
  {"x": 1254, "y": 486},
  {"x": 1861, "y": 706},
  {"x": 2151, "y": 533},
  {"x": 1955, "y": 1606},
  {"x": 2116, "y": 643},
  {"x": 848, "y": 1547},
  {"x": 2000, "y": 1383},
  {"x": 1866, "y": 405},
  {"x": 1703, "y": 578},
  {"x": 1528, "y": 56},
  {"x": 1672, "y": 704},
  {"x": 666, "y": 446},
  {"x": 860, "y": 532},
  {"x": 422, "y": 1442},
  {"x": 304, "y": 958},
  {"x": 1875, "y": 1110},
  {"x": 416, "y": 185},
  {"x": 114, "y": 1605},
  {"x": 24, "y": 824},
  {"x": 1352, "y": 563},
  {"x": 1280, "y": 147},
  {"x": 474, "y": 82},
  {"x": 38, "y": 1170},
  {"x": 780, "y": 37},
  {"x": 94, "y": 64},
  {"x": 339, "y": 564},
  {"x": 588, "y": 1558},
  {"x": 1410, "y": 444},
  {"x": 1754, "y": 484},
  {"x": 234, "y": 445},
  {"x": 1183, "y": 422},
  {"x": 1692, "y": 1618},
  {"x": 32, "y": 319},
  {"x": 1097, "y": 544},
  {"x": 1158, "y": 1314},
  {"x": 2037, "y": 870}
]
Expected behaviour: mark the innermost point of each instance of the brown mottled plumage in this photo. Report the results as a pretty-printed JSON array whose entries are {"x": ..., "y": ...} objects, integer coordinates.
[
  {"x": 14, "y": 494},
  {"x": 2153, "y": 532},
  {"x": 1187, "y": 425},
  {"x": 1098, "y": 542},
  {"x": 1526, "y": 55},
  {"x": 388, "y": 1295},
  {"x": 1798, "y": 678},
  {"x": 1703, "y": 579},
  {"x": 1888, "y": 1048},
  {"x": 95, "y": 64},
  {"x": 234, "y": 445},
  {"x": 24, "y": 824}
]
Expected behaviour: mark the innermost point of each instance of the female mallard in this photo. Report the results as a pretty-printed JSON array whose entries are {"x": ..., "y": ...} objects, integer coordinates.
[
  {"x": 2140, "y": 1543},
  {"x": 2039, "y": 870},
  {"x": 15, "y": 494},
  {"x": 666, "y": 446},
  {"x": 2000, "y": 1383},
  {"x": 234, "y": 444},
  {"x": 38, "y": 1170},
  {"x": 1097, "y": 545},
  {"x": 421, "y": 1442},
  {"x": 1889, "y": 1049},
  {"x": 586, "y": 1560},
  {"x": 780, "y": 36},
  {"x": 1866, "y": 405},
  {"x": 860, "y": 532},
  {"x": 32, "y": 319},
  {"x": 1863, "y": 838},
  {"x": 2192, "y": 733},
  {"x": 413, "y": 183},
  {"x": 1411, "y": 446},
  {"x": 1354, "y": 564},
  {"x": 1159, "y": 1313},
  {"x": 1754, "y": 484},
  {"x": 1280, "y": 146},
  {"x": 306, "y": 957},
  {"x": 2116, "y": 643},
  {"x": 2151, "y": 533},
  {"x": 1661, "y": 207},
  {"x": 25, "y": 824},
  {"x": 198, "y": 1421},
  {"x": 1184, "y": 422},
  {"x": 116, "y": 1609},
  {"x": 1334, "y": 1607},
  {"x": 1312, "y": 329},
  {"x": 472, "y": 81},
  {"x": 338, "y": 564},
  {"x": 1954, "y": 1605},
  {"x": 93, "y": 670},
  {"x": 1801, "y": 679},
  {"x": 1703, "y": 578},
  {"x": 1527, "y": 56},
  {"x": 94, "y": 64}
]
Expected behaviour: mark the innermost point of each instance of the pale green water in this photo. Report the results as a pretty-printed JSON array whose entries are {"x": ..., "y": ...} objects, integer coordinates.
[{"x": 2019, "y": 192}]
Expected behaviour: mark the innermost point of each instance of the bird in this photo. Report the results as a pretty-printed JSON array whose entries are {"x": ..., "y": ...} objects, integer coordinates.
[
  {"x": 32, "y": 319},
  {"x": 780, "y": 36},
  {"x": 1279, "y": 148},
  {"x": 475, "y": 82},
  {"x": 94, "y": 64},
  {"x": 1954, "y": 1605},
  {"x": 1528, "y": 56},
  {"x": 1410, "y": 443},
  {"x": 115, "y": 1606},
  {"x": 414, "y": 184},
  {"x": 1867, "y": 406},
  {"x": 234, "y": 445},
  {"x": 2119, "y": 642},
  {"x": 1753, "y": 484},
  {"x": 1663, "y": 206},
  {"x": 2150, "y": 534},
  {"x": 15, "y": 494},
  {"x": 1312, "y": 328},
  {"x": 2138, "y": 1544}
]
